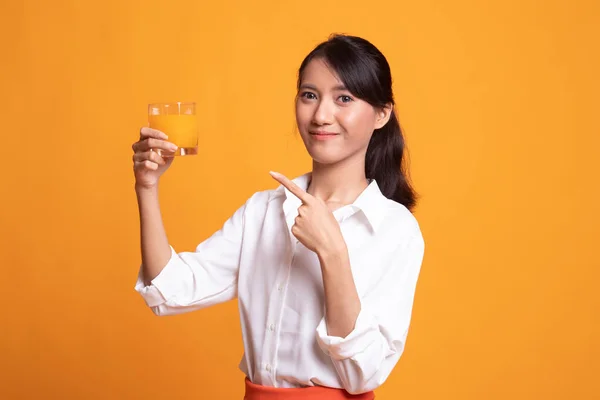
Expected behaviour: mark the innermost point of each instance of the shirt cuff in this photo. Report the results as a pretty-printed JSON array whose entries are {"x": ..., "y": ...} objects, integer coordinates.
[
  {"x": 364, "y": 334},
  {"x": 152, "y": 295}
]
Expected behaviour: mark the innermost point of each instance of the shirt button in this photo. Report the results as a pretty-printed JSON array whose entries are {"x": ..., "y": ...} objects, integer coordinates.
[
  {"x": 280, "y": 287},
  {"x": 268, "y": 367},
  {"x": 272, "y": 327}
]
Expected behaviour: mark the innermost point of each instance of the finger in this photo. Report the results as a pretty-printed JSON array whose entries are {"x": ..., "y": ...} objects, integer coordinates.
[
  {"x": 146, "y": 164},
  {"x": 302, "y": 210},
  {"x": 292, "y": 187},
  {"x": 149, "y": 155},
  {"x": 155, "y": 144},
  {"x": 146, "y": 132},
  {"x": 295, "y": 230}
]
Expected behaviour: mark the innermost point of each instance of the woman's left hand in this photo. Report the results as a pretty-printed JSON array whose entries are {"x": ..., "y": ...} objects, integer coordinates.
[{"x": 315, "y": 226}]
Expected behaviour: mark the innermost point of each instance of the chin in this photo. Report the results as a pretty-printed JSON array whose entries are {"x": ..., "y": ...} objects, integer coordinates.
[{"x": 326, "y": 157}]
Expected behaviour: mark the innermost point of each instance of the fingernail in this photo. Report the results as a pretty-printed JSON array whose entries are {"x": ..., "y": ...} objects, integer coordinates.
[
  {"x": 173, "y": 147},
  {"x": 273, "y": 173}
]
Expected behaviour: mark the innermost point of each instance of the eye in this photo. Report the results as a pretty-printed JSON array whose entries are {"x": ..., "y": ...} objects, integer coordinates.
[
  {"x": 345, "y": 99},
  {"x": 308, "y": 95}
]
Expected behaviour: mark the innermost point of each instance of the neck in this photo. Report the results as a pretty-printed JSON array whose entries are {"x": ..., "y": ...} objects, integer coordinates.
[{"x": 338, "y": 184}]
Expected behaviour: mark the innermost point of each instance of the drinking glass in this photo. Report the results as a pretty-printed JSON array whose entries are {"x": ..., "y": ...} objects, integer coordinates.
[{"x": 178, "y": 121}]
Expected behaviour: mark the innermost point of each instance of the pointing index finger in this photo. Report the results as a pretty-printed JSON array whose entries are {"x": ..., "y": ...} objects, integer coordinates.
[{"x": 291, "y": 186}]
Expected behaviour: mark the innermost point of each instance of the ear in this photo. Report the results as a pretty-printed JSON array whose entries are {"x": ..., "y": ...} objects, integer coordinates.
[{"x": 383, "y": 115}]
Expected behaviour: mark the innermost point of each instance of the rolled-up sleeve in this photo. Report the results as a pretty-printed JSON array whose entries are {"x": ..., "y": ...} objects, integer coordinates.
[
  {"x": 366, "y": 356},
  {"x": 198, "y": 279}
]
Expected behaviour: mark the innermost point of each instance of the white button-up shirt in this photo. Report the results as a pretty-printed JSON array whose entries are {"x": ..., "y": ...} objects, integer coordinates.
[{"x": 279, "y": 287}]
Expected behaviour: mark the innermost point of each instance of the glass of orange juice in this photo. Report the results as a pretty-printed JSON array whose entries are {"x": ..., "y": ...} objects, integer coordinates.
[{"x": 178, "y": 121}]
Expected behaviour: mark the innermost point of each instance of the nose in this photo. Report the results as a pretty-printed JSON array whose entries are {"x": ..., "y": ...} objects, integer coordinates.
[{"x": 324, "y": 113}]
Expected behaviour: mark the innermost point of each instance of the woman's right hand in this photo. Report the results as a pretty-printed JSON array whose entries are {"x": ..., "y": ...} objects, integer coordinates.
[{"x": 148, "y": 164}]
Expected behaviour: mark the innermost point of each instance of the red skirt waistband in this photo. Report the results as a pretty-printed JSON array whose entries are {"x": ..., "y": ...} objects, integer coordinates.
[{"x": 259, "y": 392}]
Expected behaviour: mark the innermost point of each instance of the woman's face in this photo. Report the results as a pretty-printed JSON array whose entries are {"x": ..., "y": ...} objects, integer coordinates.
[{"x": 333, "y": 123}]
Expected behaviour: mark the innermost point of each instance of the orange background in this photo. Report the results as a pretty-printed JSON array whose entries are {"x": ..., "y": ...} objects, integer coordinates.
[{"x": 499, "y": 101}]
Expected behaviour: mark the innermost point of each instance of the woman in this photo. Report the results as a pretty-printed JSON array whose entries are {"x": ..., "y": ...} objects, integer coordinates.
[{"x": 325, "y": 266}]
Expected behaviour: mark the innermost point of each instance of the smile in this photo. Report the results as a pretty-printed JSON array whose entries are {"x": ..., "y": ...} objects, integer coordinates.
[{"x": 323, "y": 135}]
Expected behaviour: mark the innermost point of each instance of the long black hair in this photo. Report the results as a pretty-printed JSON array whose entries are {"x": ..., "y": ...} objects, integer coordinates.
[{"x": 366, "y": 74}]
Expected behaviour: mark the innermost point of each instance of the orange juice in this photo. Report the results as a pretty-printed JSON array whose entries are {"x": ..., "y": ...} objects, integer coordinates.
[{"x": 181, "y": 129}]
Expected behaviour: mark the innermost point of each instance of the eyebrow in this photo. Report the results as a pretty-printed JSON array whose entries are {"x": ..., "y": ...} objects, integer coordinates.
[{"x": 312, "y": 87}]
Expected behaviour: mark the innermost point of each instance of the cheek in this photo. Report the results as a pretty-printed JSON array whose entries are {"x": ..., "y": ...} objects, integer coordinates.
[
  {"x": 302, "y": 114},
  {"x": 356, "y": 121}
]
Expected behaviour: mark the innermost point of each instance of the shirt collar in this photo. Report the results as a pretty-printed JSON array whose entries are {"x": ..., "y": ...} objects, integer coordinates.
[{"x": 371, "y": 201}]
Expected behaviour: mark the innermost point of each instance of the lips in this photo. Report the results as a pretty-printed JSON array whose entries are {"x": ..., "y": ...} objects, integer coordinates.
[{"x": 323, "y": 133}]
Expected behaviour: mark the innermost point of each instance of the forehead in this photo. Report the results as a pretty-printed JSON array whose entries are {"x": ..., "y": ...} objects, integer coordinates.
[{"x": 318, "y": 73}]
